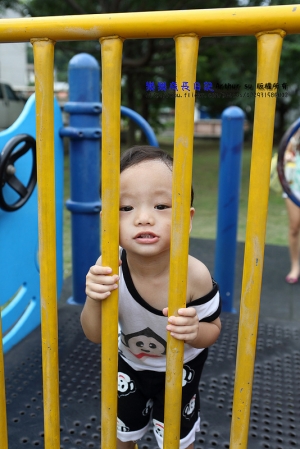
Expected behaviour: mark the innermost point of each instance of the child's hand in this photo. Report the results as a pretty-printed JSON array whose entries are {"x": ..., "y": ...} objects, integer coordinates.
[
  {"x": 100, "y": 282},
  {"x": 185, "y": 326}
]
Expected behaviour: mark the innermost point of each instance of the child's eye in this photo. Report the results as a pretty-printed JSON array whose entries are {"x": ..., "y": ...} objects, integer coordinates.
[
  {"x": 161, "y": 206},
  {"x": 126, "y": 208}
]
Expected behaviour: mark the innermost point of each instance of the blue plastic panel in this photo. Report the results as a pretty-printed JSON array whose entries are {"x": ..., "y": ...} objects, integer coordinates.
[{"x": 19, "y": 266}]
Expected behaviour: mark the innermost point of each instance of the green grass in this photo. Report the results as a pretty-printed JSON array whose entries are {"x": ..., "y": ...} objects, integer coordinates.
[{"x": 205, "y": 183}]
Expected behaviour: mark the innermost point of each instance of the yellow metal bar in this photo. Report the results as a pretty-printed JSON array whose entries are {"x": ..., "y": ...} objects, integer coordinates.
[
  {"x": 3, "y": 418},
  {"x": 111, "y": 57},
  {"x": 186, "y": 64},
  {"x": 268, "y": 59},
  {"x": 44, "y": 69},
  {"x": 203, "y": 22}
]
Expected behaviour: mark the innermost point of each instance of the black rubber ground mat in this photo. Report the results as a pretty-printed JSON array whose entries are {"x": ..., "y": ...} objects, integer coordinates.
[{"x": 275, "y": 411}]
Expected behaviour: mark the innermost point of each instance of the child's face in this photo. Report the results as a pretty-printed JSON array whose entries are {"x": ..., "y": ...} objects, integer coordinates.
[{"x": 146, "y": 208}]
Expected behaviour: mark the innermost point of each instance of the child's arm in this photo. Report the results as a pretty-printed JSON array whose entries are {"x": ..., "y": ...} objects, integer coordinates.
[
  {"x": 186, "y": 326},
  {"x": 99, "y": 284}
]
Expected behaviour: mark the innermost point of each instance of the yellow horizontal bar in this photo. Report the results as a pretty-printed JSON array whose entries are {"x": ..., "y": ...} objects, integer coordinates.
[
  {"x": 43, "y": 51},
  {"x": 165, "y": 24}
]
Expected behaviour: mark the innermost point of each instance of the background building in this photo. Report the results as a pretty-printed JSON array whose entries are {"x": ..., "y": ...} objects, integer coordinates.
[{"x": 13, "y": 58}]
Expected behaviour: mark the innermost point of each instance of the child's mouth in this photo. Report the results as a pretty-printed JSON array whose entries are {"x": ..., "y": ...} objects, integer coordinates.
[{"x": 146, "y": 237}]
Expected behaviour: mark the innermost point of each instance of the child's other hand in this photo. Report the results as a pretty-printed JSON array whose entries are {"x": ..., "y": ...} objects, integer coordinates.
[
  {"x": 185, "y": 326},
  {"x": 100, "y": 282}
]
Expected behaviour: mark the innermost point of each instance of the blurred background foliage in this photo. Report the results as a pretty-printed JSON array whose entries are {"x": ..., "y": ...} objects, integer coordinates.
[{"x": 221, "y": 59}]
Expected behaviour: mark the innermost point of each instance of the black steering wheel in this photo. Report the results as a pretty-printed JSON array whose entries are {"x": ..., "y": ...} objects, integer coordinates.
[{"x": 8, "y": 157}]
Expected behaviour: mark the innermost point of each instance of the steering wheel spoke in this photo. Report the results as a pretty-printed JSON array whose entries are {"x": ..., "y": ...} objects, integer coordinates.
[{"x": 16, "y": 184}]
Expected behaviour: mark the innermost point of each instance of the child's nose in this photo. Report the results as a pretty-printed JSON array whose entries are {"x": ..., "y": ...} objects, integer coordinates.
[{"x": 144, "y": 218}]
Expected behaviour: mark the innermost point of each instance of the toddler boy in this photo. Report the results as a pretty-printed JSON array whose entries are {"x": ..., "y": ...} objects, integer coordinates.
[{"x": 145, "y": 233}]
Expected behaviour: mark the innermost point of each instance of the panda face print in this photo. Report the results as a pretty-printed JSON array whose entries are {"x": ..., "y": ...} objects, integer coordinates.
[
  {"x": 187, "y": 375},
  {"x": 125, "y": 385},
  {"x": 145, "y": 343}
]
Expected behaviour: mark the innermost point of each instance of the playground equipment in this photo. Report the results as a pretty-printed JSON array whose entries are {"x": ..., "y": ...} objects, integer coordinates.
[
  {"x": 19, "y": 261},
  {"x": 186, "y": 27},
  {"x": 280, "y": 162},
  {"x": 232, "y": 139},
  {"x": 84, "y": 133},
  {"x": 7, "y": 171}
]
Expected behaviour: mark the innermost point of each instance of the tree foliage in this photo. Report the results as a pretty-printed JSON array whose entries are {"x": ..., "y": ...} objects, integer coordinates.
[
  {"x": 222, "y": 60},
  {"x": 4, "y": 4}
]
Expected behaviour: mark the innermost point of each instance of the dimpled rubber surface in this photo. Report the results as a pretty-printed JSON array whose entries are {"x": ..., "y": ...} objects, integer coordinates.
[{"x": 275, "y": 410}]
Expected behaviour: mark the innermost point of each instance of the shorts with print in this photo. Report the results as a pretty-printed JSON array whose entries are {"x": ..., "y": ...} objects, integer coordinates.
[{"x": 141, "y": 401}]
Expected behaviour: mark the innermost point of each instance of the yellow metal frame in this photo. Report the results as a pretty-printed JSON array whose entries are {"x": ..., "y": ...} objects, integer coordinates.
[
  {"x": 268, "y": 59},
  {"x": 156, "y": 24},
  {"x": 186, "y": 27},
  {"x": 186, "y": 65},
  {"x": 3, "y": 417},
  {"x": 111, "y": 51},
  {"x": 43, "y": 50}
]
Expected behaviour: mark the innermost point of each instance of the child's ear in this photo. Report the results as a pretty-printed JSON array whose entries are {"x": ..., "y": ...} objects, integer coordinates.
[{"x": 192, "y": 213}]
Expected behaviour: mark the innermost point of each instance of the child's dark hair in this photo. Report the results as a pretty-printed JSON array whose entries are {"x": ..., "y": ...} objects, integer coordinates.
[{"x": 142, "y": 153}]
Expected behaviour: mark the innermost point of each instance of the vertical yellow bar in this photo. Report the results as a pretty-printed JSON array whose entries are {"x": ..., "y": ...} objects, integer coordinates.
[
  {"x": 111, "y": 52},
  {"x": 268, "y": 59},
  {"x": 3, "y": 418},
  {"x": 44, "y": 69},
  {"x": 186, "y": 65}
]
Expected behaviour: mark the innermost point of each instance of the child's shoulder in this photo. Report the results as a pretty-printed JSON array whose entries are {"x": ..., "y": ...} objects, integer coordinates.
[{"x": 199, "y": 279}]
